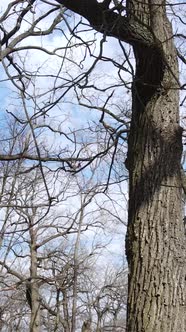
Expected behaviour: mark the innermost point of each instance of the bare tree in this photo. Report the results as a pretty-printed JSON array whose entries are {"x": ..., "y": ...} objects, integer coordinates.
[
  {"x": 42, "y": 258},
  {"x": 155, "y": 244}
]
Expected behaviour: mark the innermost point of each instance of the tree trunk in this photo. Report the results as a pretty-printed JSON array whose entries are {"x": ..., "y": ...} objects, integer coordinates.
[
  {"x": 34, "y": 287},
  {"x": 76, "y": 271},
  {"x": 65, "y": 310},
  {"x": 155, "y": 243}
]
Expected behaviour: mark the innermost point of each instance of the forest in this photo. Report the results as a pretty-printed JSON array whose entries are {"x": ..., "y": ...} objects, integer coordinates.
[{"x": 92, "y": 166}]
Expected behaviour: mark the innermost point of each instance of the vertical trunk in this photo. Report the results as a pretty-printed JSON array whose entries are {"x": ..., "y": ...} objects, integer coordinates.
[
  {"x": 34, "y": 288},
  {"x": 98, "y": 325},
  {"x": 76, "y": 270},
  {"x": 155, "y": 243},
  {"x": 57, "y": 320},
  {"x": 115, "y": 317},
  {"x": 65, "y": 310}
]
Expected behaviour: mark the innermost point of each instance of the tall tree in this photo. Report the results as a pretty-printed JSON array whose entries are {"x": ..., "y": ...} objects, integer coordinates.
[{"x": 155, "y": 243}]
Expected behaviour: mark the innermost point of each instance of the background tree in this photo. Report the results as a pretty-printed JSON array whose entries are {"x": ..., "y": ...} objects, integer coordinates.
[{"x": 49, "y": 250}]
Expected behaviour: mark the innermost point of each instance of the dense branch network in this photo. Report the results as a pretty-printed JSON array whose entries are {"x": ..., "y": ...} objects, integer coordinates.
[
  {"x": 109, "y": 22},
  {"x": 132, "y": 30}
]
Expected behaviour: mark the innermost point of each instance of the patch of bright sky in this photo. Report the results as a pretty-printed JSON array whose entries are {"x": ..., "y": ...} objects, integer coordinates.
[{"x": 177, "y": 16}]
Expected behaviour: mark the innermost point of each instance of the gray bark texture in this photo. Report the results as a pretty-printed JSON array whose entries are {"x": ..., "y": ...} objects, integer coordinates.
[{"x": 155, "y": 242}]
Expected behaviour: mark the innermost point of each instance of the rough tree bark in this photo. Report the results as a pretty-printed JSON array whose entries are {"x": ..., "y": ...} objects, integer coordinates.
[{"x": 155, "y": 243}]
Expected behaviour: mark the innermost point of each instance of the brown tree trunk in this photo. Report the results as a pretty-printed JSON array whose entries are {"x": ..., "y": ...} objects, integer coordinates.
[{"x": 155, "y": 242}]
